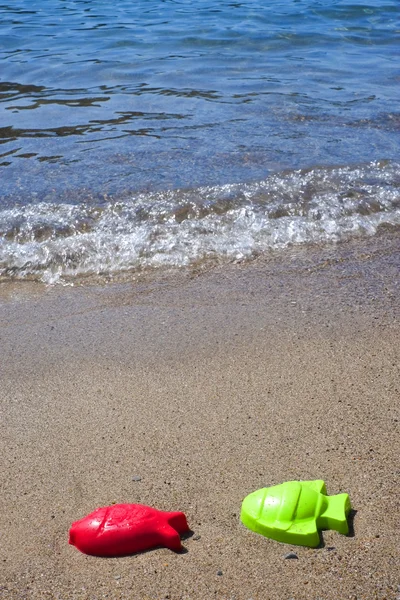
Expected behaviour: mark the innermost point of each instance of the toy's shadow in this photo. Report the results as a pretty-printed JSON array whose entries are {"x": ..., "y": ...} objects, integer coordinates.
[
  {"x": 350, "y": 521},
  {"x": 186, "y": 536}
]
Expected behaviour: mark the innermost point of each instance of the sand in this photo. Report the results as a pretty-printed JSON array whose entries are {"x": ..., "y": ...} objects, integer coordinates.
[{"x": 205, "y": 387}]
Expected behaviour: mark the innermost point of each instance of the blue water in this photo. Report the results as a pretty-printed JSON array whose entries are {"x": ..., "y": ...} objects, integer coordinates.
[{"x": 161, "y": 132}]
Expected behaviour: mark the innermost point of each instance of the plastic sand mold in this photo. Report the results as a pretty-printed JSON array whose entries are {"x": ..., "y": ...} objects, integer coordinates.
[
  {"x": 293, "y": 512},
  {"x": 124, "y": 529}
]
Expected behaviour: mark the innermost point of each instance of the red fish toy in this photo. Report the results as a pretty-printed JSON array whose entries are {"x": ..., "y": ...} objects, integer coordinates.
[{"x": 124, "y": 529}]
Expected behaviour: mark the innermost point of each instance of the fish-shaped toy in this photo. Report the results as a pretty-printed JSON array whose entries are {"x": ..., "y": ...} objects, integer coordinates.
[
  {"x": 294, "y": 511},
  {"x": 123, "y": 529}
]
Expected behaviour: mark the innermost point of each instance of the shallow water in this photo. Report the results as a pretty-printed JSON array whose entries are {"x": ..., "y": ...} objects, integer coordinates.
[{"x": 166, "y": 133}]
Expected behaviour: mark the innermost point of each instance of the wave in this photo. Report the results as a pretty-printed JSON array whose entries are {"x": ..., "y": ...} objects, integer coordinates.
[{"x": 53, "y": 242}]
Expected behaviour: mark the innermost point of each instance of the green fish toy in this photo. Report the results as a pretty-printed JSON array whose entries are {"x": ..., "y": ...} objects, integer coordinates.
[{"x": 293, "y": 512}]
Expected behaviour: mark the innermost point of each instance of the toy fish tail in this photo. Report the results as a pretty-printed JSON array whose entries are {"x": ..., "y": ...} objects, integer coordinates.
[
  {"x": 170, "y": 538},
  {"x": 335, "y": 514},
  {"x": 178, "y": 521}
]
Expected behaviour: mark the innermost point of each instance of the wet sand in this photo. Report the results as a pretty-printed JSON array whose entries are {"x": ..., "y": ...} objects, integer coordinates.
[{"x": 206, "y": 388}]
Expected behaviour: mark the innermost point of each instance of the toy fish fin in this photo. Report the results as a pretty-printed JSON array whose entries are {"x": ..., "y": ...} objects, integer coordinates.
[
  {"x": 304, "y": 533},
  {"x": 282, "y": 525},
  {"x": 317, "y": 485},
  {"x": 170, "y": 537}
]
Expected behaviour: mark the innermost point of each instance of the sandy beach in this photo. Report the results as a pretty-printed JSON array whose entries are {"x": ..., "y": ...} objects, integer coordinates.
[{"x": 188, "y": 393}]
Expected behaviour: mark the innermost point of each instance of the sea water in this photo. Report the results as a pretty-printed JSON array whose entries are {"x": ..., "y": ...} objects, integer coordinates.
[{"x": 169, "y": 133}]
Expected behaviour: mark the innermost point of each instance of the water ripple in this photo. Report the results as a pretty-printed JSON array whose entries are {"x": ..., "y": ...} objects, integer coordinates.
[{"x": 70, "y": 69}]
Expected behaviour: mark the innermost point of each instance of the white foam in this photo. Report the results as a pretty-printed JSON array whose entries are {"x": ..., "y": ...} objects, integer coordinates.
[{"x": 51, "y": 242}]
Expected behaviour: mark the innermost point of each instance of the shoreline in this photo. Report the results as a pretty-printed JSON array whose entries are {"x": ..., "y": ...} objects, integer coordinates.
[{"x": 207, "y": 387}]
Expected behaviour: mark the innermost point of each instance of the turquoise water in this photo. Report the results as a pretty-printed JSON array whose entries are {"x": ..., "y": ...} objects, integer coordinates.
[{"x": 156, "y": 133}]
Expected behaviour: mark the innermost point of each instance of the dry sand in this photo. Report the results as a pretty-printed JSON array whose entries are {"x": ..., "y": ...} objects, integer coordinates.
[{"x": 207, "y": 388}]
